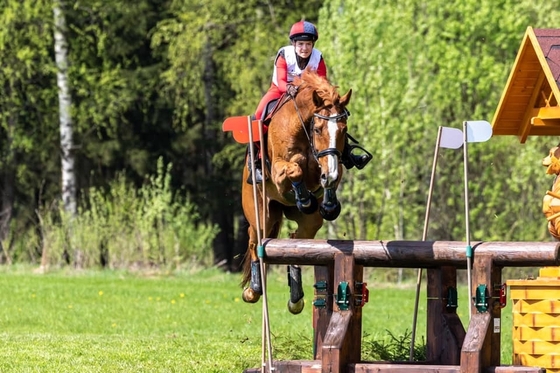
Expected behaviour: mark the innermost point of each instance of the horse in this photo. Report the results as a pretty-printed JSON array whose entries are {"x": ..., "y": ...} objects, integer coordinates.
[{"x": 303, "y": 146}]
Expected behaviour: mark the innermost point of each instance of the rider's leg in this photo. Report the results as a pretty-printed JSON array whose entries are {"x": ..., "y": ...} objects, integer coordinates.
[
  {"x": 258, "y": 177},
  {"x": 270, "y": 95}
]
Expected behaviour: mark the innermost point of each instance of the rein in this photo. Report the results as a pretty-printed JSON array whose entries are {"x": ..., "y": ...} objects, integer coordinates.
[{"x": 322, "y": 153}]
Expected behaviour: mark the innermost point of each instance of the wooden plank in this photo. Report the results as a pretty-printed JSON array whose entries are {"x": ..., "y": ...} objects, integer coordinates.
[
  {"x": 471, "y": 353},
  {"x": 322, "y": 316},
  {"x": 418, "y": 368},
  {"x": 314, "y": 366},
  {"x": 540, "y": 305},
  {"x": 536, "y": 347},
  {"x": 445, "y": 333},
  {"x": 546, "y": 333},
  {"x": 536, "y": 319},
  {"x": 333, "y": 359},
  {"x": 528, "y": 359},
  {"x": 410, "y": 254},
  {"x": 343, "y": 339}
]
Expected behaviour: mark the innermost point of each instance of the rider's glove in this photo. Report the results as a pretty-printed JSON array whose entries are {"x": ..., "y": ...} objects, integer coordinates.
[{"x": 291, "y": 90}]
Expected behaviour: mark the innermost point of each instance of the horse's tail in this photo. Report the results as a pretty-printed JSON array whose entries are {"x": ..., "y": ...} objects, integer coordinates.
[{"x": 247, "y": 265}]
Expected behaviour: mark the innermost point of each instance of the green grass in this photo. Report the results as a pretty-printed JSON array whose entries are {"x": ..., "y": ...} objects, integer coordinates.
[{"x": 181, "y": 322}]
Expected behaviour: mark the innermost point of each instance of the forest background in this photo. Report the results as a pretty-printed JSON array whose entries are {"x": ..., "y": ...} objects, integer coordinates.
[{"x": 155, "y": 182}]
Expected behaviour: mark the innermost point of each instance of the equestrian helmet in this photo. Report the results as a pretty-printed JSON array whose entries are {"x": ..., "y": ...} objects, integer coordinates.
[{"x": 304, "y": 31}]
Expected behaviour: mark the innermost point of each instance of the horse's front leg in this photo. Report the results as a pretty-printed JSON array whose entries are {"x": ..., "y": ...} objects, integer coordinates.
[
  {"x": 289, "y": 175},
  {"x": 330, "y": 207}
]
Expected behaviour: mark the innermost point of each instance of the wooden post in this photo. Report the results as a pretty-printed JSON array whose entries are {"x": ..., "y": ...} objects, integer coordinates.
[
  {"x": 481, "y": 348},
  {"x": 343, "y": 339},
  {"x": 322, "y": 316},
  {"x": 445, "y": 332}
]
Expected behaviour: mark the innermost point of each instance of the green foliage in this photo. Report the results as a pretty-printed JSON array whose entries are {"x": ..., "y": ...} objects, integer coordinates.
[
  {"x": 124, "y": 226},
  {"x": 414, "y": 66},
  {"x": 396, "y": 349}
]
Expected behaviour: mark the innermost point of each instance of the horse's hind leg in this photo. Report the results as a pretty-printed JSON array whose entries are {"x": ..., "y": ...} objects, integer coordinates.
[
  {"x": 296, "y": 303},
  {"x": 252, "y": 293},
  {"x": 308, "y": 225}
]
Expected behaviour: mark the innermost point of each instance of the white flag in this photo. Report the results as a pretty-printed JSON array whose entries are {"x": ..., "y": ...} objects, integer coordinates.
[
  {"x": 451, "y": 138},
  {"x": 478, "y": 131}
]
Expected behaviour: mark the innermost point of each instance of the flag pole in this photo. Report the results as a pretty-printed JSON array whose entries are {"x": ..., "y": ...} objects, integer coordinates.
[
  {"x": 469, "y": 250},
  {"x": 266, "y": 340},
  {"x": 424, "y": 236}
]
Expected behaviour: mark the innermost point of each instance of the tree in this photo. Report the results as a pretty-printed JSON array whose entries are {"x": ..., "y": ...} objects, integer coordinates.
[
  {"x": 420, "y": 65},
  {"x": 25, "y": 118},
  {"x": 220, "y": 57}
]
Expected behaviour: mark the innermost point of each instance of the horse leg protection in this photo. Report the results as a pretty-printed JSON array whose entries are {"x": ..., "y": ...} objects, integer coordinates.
[
  {"x": 296, "y": 303},
  {"x": 256, "y": 283},
  {"x": 305, "y": 201},
  {"x": 330, "y": 208}
]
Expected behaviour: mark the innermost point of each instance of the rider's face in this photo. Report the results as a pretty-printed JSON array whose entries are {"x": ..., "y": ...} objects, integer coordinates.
[{"x": 303, "y": 48}]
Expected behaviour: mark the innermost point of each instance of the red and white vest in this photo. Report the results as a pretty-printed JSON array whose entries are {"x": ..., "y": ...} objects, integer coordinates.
[{"x": 291, "y": 62}]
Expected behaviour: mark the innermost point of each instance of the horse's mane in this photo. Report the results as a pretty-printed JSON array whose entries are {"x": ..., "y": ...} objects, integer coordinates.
[{"x": 310, "y": 79}]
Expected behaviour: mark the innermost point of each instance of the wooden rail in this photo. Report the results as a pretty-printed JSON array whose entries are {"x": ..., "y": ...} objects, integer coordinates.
[{"x": 410, "y": 254}]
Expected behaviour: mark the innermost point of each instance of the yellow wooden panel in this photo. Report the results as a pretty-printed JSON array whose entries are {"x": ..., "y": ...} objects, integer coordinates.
[
  {"x": 551, "y": 306},
  {"x": 527, "y": 333},
  {"x": 549, "y": 272},
  {"x": 536, "y": 319},
  {"x": 536, "y": 347},
  {"x": 545, "y": 361},
  {"x": 540, "y": 292}
]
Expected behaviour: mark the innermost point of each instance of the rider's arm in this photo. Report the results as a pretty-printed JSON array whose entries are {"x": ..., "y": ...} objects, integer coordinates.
[
  {"x": 322, "y": 68},
  {"x": 281, "y": 72}
]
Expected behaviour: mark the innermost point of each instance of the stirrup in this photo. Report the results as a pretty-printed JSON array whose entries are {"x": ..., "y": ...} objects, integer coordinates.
[
  {"x": 258, "y": 175},
  {"x": 349, "y": 159},
  {"x": 359, "y": 160}
]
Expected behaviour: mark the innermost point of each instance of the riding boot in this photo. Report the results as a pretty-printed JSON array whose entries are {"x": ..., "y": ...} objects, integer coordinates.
[
  {"x": 258, "y": 165},
  {"x": 349, "y": 159}
]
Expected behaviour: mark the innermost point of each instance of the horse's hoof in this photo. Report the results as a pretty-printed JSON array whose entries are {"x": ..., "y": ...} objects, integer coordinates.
[
  {"x": 250, "y": 296},
  {"x": 296, "y": 307},
  {"x": 309, "y": 207},
  {"x": 330, "y": 213}
]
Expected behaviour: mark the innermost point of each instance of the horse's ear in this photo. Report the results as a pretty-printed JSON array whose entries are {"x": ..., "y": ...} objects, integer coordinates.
[
  {"x": 344, "y": 100},
  {"x": 317, "y": 100}
]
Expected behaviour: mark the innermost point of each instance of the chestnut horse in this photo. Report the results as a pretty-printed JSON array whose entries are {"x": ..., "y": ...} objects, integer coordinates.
[{"x": 305, "y": 138}]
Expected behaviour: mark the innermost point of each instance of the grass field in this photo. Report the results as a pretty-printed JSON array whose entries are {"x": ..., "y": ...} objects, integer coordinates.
[{"x": 182, "y": 322}]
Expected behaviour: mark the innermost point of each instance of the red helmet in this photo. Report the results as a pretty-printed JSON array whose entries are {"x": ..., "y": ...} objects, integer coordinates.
[{"x": 304, "y": 30}]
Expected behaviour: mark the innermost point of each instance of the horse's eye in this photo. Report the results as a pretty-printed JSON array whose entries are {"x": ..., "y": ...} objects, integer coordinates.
[{"x": 317, "y": 130}]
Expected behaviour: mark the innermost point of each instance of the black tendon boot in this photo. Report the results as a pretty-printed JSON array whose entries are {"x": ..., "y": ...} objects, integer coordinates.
[
  {"x": 349, "y": 159},
  {"x": 258, "y": 165}
]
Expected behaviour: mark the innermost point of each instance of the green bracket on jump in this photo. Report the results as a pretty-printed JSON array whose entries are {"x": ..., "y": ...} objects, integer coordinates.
[
  {"x": 452, "y": 297},
  {"x": 343, "y": 296},
  {"x": 320, "y": 300},
  {"x": 481, "y": 299}
]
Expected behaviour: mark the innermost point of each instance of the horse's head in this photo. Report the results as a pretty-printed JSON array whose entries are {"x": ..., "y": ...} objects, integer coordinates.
[{"x": 328, "y": 118}]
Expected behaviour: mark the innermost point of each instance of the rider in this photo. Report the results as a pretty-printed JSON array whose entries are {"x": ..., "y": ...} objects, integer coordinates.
[{"x": 290, "y": 61}]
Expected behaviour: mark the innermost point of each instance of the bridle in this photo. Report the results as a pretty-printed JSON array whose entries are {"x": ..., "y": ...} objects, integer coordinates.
[{"x": 328, "y": 151}]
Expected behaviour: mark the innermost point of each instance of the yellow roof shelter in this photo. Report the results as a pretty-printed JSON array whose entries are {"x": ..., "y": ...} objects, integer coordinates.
[{"x": 530, "y": 102}]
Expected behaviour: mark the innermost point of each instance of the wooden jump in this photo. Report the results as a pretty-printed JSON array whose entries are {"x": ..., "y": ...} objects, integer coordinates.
[
  {"x": 410, "y": 254},
  {"x": 449, "y": 347}
]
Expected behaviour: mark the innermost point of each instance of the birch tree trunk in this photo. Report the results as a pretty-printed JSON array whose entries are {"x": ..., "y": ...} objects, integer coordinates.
[
  {"x": 65, "y": 101},
  {"x": 66, "y": 131}
]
